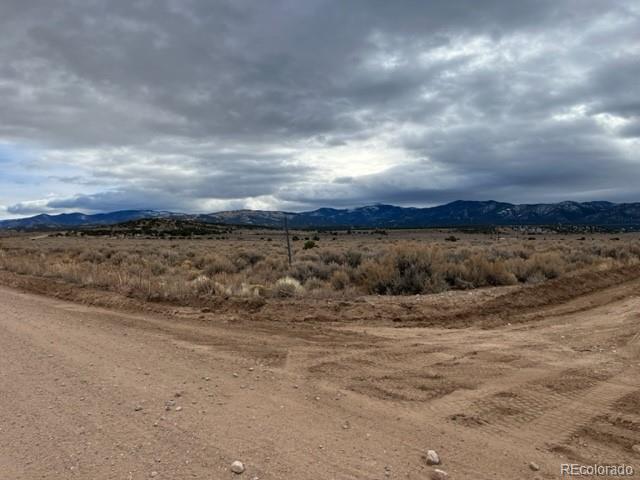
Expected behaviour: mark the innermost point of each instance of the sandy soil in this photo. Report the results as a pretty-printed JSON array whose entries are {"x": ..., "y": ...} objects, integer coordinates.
[{"x": 91, "y": 393}]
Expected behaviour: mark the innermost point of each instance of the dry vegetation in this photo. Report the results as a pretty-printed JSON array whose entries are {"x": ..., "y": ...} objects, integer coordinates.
[{"x": 254, "y": 263}]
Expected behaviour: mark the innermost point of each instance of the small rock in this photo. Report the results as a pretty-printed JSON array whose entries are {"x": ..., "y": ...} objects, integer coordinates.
[
  {"x": 439, "y": 475},
  {"x": 154, "y": 474},
  {"x": 534, "y": 466},
  {"x": 636, "y": 448},
  {"x": 178, "y": 409},
  {"x": 236, "y": 375},
  {"x": 432, "y": 457},
  {"x": 237, "y": 467},
  {"x": 137, "y": 408}
]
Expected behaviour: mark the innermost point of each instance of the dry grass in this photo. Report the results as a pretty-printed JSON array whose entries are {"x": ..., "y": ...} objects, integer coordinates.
[{"x": 254, "y": 263}]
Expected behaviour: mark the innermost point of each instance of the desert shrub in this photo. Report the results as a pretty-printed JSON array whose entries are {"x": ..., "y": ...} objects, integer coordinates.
[
  {"x": 536, "y": 277},
  {"x": 519, "y": 268},
  {"x": 481, "y": 272},
  {"x": 214, "y": 264},
  {"x": 119, "y": 258},
  {"x": 250, "y": 258},
  {"x": 170, "y": 257},
  {"x": 538, "y": 267},
  {"x": 353, "y": 258},
  {"x": 308, "y": 257},
  {"x": 456, "y": 275},
  {"x": 548, "y": 265},
  {"x": 287, "y": 287},
  {"x": 405, "y": 270},
  {"x": 309, "y": 244},
  {"x": 332, "y": 256},
  {"x": 315, "y": 284},
  {"x": 340, "y": 280},
  {"x": 156, "y": 267},
  {"x": 91, "y": 256},
  {"x": 251, "y": 290},
  {"x": 302, "y": 271},
  {"x": 269, "y": 270}
]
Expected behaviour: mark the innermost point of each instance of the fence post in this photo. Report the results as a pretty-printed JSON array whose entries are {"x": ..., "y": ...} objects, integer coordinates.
[{"x": 286, "y": 232}]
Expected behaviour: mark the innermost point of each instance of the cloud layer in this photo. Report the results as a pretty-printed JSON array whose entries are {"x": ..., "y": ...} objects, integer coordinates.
[{"x": 199, "y": 106}]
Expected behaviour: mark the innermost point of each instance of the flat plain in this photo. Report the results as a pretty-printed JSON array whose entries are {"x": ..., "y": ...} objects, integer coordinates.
[{"x": 496, "y": 350}]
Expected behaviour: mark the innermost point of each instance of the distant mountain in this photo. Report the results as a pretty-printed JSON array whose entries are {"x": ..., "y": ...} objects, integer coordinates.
[
  {"x": 458, "y": 213},
  {"x": 73, "y": 220},
  {"x": 246, "y": 217}
]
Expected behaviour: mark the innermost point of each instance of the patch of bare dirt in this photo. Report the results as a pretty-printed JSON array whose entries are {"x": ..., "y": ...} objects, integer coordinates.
[{"x": 347, "y": 397}]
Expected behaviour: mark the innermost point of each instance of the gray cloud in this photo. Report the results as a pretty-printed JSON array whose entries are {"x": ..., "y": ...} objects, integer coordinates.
[{"x": 197, "y": 104}]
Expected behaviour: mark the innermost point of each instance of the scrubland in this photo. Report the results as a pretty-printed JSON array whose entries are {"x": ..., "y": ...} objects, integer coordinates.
[
  {"x": 332, "y": 366},
  {"x": 253, "y": 263}
]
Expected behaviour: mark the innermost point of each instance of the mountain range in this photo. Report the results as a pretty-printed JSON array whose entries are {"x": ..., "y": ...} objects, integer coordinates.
[{"x": 458, "y": 213}]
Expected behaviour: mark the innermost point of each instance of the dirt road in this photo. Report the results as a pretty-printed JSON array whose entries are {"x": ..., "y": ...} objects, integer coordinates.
[{"x": 91, "y": 394}]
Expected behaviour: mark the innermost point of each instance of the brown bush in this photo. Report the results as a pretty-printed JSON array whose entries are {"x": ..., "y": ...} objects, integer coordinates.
[
  {"x": 214, "y": 264},
  {"x": 340, "y": 280},
  {"x": 287, "y": 287},
  {"x": 405, "y": 270}
]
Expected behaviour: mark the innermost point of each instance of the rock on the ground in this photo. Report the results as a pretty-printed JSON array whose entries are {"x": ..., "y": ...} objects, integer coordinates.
[
  {"x": 439, "y": 475},
  {"x": 534, "y": 466},
  {"x": 636, "y": 448},
  {"x": 432, "y": 457},
  {"x": 237, "y": 467}
]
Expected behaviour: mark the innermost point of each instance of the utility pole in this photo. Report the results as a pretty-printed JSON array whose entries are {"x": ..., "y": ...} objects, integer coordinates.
[{"x": 286, "y": 232}]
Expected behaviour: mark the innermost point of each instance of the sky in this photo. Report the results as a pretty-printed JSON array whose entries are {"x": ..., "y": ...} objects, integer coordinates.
[{"x": 201, "y": 106}]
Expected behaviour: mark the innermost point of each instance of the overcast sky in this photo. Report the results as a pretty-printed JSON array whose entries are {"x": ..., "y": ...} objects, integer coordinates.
[{"x": 200, "y": 105}]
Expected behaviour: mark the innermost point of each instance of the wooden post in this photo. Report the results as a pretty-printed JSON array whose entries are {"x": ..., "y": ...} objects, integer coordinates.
[{"x": 286, "y": 232}]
